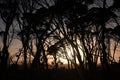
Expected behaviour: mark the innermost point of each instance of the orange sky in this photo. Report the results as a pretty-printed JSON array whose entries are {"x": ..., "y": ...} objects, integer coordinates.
[{"x": 16, "y": 44}]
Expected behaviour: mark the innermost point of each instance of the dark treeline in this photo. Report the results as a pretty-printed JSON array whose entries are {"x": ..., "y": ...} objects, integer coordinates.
[{"x": 88, "y": 27}]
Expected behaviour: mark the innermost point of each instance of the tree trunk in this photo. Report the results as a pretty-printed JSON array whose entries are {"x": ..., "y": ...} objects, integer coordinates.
[{"x": 5, "y": 53}]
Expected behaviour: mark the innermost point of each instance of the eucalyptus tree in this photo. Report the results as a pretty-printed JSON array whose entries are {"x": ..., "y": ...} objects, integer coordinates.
[
  {"x": 65, "y": 15},
  {"x": 115, "y": 32},
  {"x": 38, "y": 23},
  {"x": 98, "y": 17},
  {"x": 25, "y": 31},
  {"x": 90, "y": 26},
  {"x": 114, "y": 35},
  {"x": 8, "y": 11}
]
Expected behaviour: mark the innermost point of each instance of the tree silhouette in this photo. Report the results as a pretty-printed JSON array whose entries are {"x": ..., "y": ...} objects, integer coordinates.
[
  {"x": 55, "y": 26},
  {"x": 8, "y": 12}
]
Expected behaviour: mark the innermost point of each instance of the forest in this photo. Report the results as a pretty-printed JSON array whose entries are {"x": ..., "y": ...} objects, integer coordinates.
[{"x": 85, "y": 33}]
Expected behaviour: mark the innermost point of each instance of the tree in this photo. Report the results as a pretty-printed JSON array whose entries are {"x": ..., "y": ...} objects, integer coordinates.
[{"x": 8, "y": 12}]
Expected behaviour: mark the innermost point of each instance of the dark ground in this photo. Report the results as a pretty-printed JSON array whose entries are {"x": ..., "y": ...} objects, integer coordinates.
[{"x": 62, "y": 74}]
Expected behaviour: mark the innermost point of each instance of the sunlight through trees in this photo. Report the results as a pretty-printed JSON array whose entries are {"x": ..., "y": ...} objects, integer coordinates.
[{"x": 77, "y": 33}]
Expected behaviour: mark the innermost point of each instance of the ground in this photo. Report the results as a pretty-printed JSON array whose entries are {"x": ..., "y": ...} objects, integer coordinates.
[{"x": 61, "y": 74}]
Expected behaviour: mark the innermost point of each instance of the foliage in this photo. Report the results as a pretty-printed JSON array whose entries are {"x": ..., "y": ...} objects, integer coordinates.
[{"x": 55, "y": 27}]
